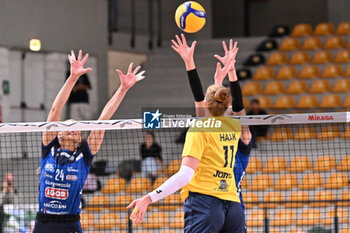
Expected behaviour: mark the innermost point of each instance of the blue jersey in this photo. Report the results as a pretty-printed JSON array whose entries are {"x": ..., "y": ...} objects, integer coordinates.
[
  {"x": 62, "y": 177},
  {"x": 241, "y": 163}
]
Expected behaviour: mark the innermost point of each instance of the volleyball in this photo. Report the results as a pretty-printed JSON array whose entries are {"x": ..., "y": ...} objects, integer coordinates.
[{"x": 190, "y": 17}]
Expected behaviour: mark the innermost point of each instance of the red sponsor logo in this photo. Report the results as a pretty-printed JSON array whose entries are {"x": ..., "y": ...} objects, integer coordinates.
[
  {"x": 56, "y": 193},
  {"x": 315, "y": 117},
  {"x": 71, "y": 177}
]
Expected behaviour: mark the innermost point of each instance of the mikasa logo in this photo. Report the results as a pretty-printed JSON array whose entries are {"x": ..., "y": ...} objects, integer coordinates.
[{"x": 315, "y": 117}]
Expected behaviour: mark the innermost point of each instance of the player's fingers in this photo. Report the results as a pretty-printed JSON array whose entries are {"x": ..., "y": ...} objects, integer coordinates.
[
  {"x": 139, "y": 217},
  {"x": 175, "y": 49},
  {"x": 183, "y": 39},
  {"x": 194, "y": 43},
  {"x": 87, "y": 70},
  {"x": 142, "y": 215},
  {"x": 231, "y": 44},
  {"x": 85, "y": 58},
  {"x": 133, "y": 215},
  {"x": 235, "y": 46},
  {"x": 70, "y": 59},
  {"x": 80, "y": 55},
  {"x": 73, "y": 55},
  {"x": 218, "y": 66},
  {"x": 136, "y": 70},
  {"x": 224, "y": 46},
  {"x": 134, "y": 201},
  {"x": 178, "y": 40},
  {"x": 219, "y": 58},
  {"x": 235, "y": 52},
  {"x": 175, "y": 44},
  {"x": 130, "y": 68},
  {"x": 140, "y": 76},
  {"x": 120, "y": 73}
]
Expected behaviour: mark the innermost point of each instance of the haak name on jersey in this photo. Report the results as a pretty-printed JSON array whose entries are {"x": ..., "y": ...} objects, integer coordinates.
[{"x": 224, "y": 137}]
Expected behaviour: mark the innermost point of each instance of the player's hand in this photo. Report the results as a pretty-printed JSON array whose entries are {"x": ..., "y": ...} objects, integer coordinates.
[
  {"x": 232, "y": 51},
  {"x": 140, "y": 208},
  {"x": 128, "y": 80},
  {"x": 77, "y": 65},
  {"x": 220, "y": 72},
  {"x": 186, "y": 52}
]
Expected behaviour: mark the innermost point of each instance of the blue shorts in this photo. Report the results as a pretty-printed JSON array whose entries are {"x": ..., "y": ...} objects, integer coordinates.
[
  {"x": 57, "y": 227},
  {"x": 209, "y": 214}
]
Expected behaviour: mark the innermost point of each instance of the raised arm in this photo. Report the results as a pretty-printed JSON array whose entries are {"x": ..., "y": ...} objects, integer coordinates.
[
  {"x": 76, "y": 70},
  {"x": 180, "y": 46},
  {"x": 127, "y": 81},
  {"x": 236, "y": 92}
]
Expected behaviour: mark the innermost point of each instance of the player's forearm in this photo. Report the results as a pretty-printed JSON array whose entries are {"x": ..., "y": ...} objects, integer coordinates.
[
  {"x": 200, "y": 109},
  {"x": 61, "y": 99},
  {"x": 246, "y": 135},
  {"x": 197, "y": 91},
  {"x": 113, "y": 104},
  {"x": 237, "y": 98},
  {"x": 196, "y": 85},
  {"x": 173, "y": 184}
]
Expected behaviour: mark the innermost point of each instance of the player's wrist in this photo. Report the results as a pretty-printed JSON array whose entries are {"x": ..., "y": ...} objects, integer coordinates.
[
  {"x": 232, "y": 76},
  {"x": 190, "y": 65},
  {"x": 147, "y": 199},
  {"x": 73, "y": 78}
]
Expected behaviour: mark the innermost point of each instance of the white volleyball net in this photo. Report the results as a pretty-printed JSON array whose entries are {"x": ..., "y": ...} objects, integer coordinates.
[{"x": 297, "y": 179}]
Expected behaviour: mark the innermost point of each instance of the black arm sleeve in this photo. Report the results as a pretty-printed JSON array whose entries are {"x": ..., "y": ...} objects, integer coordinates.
[
  {"x": 85, "y": 149},
  {"x": 196, "y": 85},
  {"x": 237, "y": 98},
  {"x": 244, "y": 148}
]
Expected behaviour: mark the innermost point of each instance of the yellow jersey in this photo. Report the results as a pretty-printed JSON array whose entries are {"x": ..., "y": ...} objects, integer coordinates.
[{"x": 216, "y": 148}]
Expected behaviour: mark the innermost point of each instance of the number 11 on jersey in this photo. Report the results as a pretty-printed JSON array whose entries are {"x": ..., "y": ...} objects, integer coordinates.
[{"x": 226, "y": 149}]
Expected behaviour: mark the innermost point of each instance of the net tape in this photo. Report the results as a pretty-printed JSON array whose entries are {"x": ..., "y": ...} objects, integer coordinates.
[{"x": 278, "y": 119}]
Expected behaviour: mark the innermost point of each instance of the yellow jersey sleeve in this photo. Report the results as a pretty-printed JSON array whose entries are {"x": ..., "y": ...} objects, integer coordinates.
[{"x": 194, "y": 144}]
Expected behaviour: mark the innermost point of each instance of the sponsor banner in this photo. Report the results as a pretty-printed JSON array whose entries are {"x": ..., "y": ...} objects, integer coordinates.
[
  {"x": 72, "y": 169},
  {"x": 333, "y": 117},
  {"x": 61, "y": 185},
  {"x": 71, "y": 177},
  {"x": 49, "y": 167},
  {"x": 56, "y": 193},
  {"x": 55, "y": 205},
  {"x": 45, "y": 174}
]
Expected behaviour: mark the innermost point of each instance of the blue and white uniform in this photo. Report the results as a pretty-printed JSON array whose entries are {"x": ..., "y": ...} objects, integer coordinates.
[
  {"x": 62, "y": 177},
  {"x": 241, "y": 163}
]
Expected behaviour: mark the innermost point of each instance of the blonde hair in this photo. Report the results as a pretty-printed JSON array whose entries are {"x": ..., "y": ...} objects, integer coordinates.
[{"x": 218, "y": 99}]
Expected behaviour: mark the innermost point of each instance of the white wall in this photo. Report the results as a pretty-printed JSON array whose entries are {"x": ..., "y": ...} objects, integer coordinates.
[
  {"x": 44, "y": 75},
  {"x": 121, "y": 60},
  {"x": 61, "y": 25}
]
